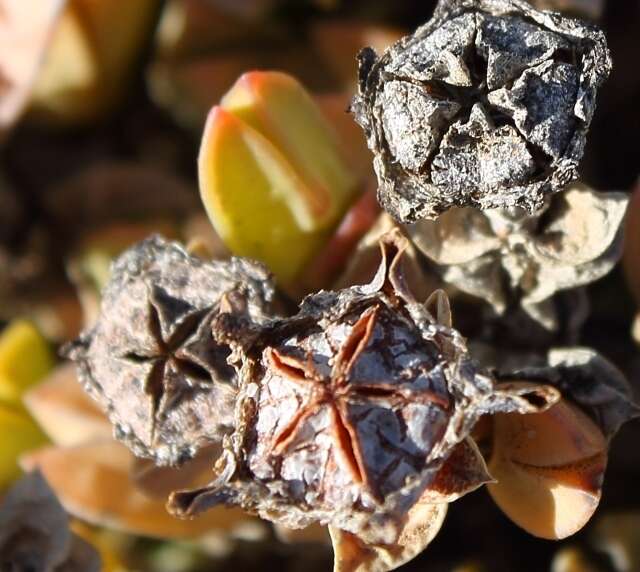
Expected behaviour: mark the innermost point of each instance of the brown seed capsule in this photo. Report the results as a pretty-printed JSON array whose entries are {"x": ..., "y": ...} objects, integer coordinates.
[
  {"x": 151, "y": 361},
  {"x": 348, "y": 410},
  {"x": 486, "y": 105}
]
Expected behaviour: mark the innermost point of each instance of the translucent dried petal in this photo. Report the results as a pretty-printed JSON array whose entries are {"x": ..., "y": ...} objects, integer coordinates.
[
  {"x": 358, "y": 553},
  {"x": 457, "y": 237},
  {"x": 510, "y": 259},
  {"x": 486, "y": 105},
  {"x": 151, "y": 362},
  {"x": 582, "y": 241},
  {"x": 463, "y": 472}
]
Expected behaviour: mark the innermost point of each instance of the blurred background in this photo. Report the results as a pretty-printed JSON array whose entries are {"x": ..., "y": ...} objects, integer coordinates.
[{"x": 102, "y": 109}]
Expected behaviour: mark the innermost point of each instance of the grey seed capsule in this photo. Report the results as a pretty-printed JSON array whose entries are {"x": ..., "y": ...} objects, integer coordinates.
[
  {"x": 151, "y": 361},
  {"x": 487, "y": 105}
]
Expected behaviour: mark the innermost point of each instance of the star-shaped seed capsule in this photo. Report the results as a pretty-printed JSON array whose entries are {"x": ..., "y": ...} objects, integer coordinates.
[
  {"x": 487, "y": 105},
  {"x": 353, "y": 413},
  {"x": 347, "y": 411},
  {"x": 151, "y": 361}
]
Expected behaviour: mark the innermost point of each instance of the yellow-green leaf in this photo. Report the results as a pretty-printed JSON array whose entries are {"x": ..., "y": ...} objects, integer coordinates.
[
  {"x": 251, "y": 193},
  {"x": 278, "y": 107},
  {"x": 19, "y": 434},
  {"x": 272, "y": 177},
  {"x": 25, "y": 358}
]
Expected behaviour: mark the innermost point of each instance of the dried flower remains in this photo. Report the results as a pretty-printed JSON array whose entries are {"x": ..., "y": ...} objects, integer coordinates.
[
  {"x": 486, "y": 105},
  {"x": 151, "y": 361},
  {"x": 512, "y": 260},
  {"x": 348, "y": 411}
]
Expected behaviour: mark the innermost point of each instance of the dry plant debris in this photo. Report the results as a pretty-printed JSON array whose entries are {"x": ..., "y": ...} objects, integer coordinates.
[
  {"x": 486, "y": 105},
  {"x": 151, "y": 361},
  {"x": 508, "y": 258},
  {"x": 35, "y": 533}
]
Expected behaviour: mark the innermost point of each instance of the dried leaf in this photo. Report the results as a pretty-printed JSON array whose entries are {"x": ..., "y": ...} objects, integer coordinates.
[
  {"x": 151, "y": 363},
  {"x": 64, "y": 411},
  {"x": 35, "y": 534},
  {"x": 25, "y": 33},
  {"x": 486, "y": 105},
  {"x": 106, "y": 466},
  {"x": 549, "y": 469},
  {"x": 357, "y": 553}
]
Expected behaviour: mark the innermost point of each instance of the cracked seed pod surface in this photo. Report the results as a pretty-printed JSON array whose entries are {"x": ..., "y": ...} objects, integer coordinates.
[
  {"x": 348, "y": 410},
  {"x": 151, "y": 361},
  {"x": 486, "y": 105}
]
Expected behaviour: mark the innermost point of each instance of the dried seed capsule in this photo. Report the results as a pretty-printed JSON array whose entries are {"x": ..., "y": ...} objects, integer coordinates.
[
  {"x": 513, "y": 260},
  {"x": 486, "y": 105},
  {"x": 348, "y": 410},
  {"x": 151, "y": 361}
]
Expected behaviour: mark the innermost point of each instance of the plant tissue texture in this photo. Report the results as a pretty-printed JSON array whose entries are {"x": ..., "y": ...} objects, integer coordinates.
[
  {"x": 151, "y": 361},
  {"x": 347, "y": 410},
  {"x": 486, "y": 105}
]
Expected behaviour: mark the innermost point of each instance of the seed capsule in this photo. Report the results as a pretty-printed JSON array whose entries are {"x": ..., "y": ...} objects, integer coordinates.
[
  {"x": 348, "y": 410},
  {"x": 486, "y": 105},
  {"x": 151, "y": 361}
]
